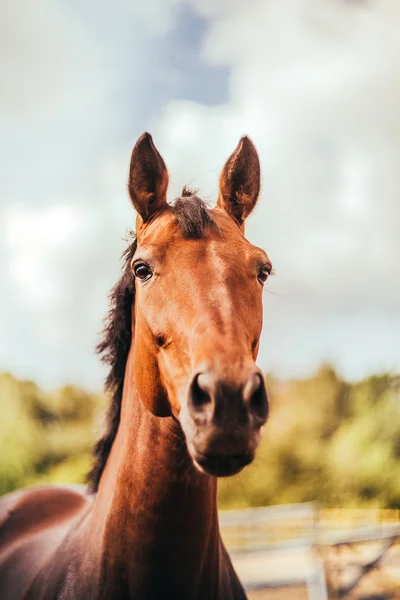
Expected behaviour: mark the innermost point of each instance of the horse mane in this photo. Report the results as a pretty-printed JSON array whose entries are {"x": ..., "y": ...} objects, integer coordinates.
[
  {"x": 113, "y": 349},
  {"x": 193, "y": 218}
]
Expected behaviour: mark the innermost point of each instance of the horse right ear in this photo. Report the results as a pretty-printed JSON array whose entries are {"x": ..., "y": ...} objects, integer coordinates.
[
  {"x": 148, "y": 178},
  {"x": 239, "y": 184}
]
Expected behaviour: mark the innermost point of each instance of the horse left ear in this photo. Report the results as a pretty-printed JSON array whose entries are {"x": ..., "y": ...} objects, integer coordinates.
[
  {"x": 239, "y": 184},
  {"x": 148, "y": 178}
]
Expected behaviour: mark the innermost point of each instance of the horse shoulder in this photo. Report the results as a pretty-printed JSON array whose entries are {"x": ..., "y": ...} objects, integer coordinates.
[{"x": 33, "y": 523}]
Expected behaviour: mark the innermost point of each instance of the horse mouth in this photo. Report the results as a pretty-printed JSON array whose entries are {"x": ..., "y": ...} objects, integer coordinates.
[{"x": 220, "y": 465}]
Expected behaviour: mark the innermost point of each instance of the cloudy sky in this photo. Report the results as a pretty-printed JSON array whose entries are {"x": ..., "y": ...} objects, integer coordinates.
[{"x": 315, "y": 83}]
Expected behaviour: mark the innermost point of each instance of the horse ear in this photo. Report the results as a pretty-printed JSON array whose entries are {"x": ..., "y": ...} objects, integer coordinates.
[
  {"x": 239, "y": 184},
  {"x": 148, "y": 178}
]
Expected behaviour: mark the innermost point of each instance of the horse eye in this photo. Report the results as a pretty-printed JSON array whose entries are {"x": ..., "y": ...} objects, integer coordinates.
[
  {"x": 142, "y": 271},
  {"x": 264, "y": 273}
]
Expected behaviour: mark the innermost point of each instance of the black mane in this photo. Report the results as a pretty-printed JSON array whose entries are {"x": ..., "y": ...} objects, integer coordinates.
[{"x": 194, "y": 220}]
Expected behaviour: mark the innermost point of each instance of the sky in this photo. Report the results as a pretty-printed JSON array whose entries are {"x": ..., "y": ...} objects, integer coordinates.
[{"x": 314, "y": 83}]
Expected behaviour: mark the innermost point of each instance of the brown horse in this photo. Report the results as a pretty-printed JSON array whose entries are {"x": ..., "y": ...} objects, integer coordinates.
[{"x": 188, "y": 406}]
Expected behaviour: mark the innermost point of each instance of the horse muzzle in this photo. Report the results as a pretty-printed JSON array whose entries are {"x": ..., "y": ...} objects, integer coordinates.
[{"x": 223, "y": 420}]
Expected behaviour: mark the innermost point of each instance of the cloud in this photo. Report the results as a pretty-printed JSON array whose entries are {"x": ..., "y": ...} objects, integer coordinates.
[
  {"x": 315, "y": 84},
  {"x": 71, "y": 77},
  {"x": 44, "y": 53},
  {"x": 33, "y": 239}
]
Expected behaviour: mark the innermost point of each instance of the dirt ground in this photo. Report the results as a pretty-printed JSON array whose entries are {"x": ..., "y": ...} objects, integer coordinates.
[
  {"x": 287, "y": 593},
  {"x": 300, "y": 593}
]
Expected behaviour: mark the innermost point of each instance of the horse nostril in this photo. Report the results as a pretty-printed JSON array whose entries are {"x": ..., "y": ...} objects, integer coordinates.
[
  {"x": 255, "y": 395},
  {"x": 200, "y": 390}
]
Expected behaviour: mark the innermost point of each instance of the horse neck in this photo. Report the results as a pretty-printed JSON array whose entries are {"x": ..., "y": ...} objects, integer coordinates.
[{"x": 159, "y": 514}]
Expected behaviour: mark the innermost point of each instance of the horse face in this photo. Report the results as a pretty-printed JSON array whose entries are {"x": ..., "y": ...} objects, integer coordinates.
[{"x": 198, "y": 309}]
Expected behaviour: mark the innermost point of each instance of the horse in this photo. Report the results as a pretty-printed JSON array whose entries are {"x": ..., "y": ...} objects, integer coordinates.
[{"x": 188, "y": 405}]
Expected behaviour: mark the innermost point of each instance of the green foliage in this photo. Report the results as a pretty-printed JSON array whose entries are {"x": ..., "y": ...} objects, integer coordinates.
[
  {"x": 44, "y": 437},
  {"x": 327, "y": 440}
]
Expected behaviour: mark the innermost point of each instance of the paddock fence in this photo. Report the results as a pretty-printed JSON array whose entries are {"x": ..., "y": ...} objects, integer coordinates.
[{"x": 331, "y": 553}]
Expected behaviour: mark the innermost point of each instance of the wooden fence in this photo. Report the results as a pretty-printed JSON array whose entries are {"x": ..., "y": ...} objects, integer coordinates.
[{"x": 294, "y": 544}]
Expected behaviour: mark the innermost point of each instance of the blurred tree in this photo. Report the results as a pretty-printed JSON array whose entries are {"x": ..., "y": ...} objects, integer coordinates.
[{"x": 326, "y": 440}]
